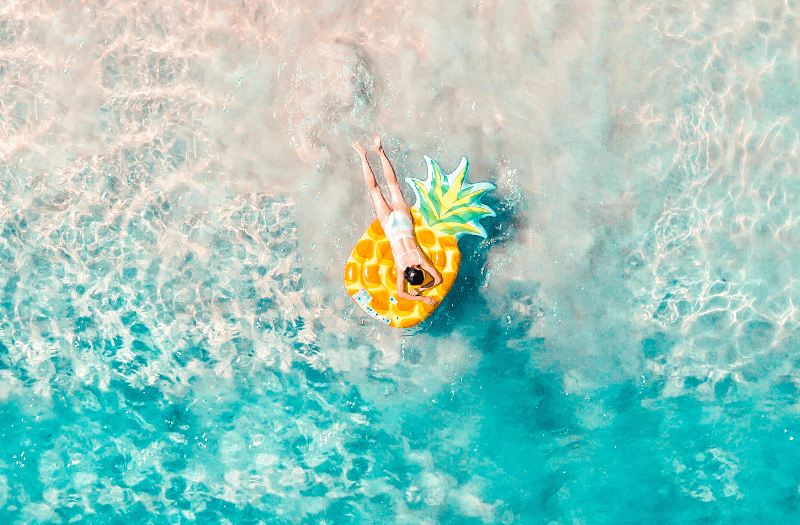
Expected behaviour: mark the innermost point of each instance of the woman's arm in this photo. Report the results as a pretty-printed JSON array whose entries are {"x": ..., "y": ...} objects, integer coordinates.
[
  {"x": 402, "y": 294},
  {"x": 437, "y": 278}
]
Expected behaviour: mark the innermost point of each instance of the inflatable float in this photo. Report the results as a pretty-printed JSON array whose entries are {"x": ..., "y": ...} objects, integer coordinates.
[{"x": 446, "y": 209}]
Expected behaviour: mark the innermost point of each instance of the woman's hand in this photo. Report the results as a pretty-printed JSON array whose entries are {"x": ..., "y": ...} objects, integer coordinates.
[
  {"x": 415, "y": 293},
  {"x": 430, "y": 301}
]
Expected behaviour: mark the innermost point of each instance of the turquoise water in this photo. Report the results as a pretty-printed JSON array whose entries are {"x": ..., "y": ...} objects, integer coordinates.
[{"x": 179, "y": 197}]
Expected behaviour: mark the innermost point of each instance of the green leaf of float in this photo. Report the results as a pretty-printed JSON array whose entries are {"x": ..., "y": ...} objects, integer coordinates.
[
  {"x": 437, "y": 190},
  {"x": 466, "y": 214},
  {"x": 424, "y": 204},
  {"x": 450, "y": 205},
  {"x": 460, "y": 179},
  {"x": 468, "y": 198},
  {"x": 452, "y": 228}
]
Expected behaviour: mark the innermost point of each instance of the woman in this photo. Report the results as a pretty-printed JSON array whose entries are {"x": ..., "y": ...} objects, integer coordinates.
[{"x": 411, "y": 264}]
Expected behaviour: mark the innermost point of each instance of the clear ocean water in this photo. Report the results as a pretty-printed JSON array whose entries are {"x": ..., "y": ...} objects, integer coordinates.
[{"x": 179, "y": 197}]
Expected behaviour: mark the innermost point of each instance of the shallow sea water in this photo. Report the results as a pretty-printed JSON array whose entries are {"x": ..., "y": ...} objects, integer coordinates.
[{"x": 179, "y": 197}]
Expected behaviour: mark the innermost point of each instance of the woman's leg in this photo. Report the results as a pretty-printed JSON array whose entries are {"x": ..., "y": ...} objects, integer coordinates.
[
  {"x": 398, "y": 203},
  {"x": 382, "y": 209}
]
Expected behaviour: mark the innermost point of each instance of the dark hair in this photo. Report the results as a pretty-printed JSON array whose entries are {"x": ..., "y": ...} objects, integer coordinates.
[{"x": 414, "y": 275}]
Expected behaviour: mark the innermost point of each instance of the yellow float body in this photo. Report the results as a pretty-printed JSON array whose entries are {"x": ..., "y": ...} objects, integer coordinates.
[{"x": 370, "y": 275}]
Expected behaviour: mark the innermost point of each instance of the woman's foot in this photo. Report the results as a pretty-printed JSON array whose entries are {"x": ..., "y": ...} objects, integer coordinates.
[
  {"x": 360, "y": 149},
  {"x": 377, "y": 143}
]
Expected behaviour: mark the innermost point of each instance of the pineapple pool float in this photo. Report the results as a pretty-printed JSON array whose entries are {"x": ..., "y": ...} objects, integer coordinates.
[{"x": 446, "y": 208}]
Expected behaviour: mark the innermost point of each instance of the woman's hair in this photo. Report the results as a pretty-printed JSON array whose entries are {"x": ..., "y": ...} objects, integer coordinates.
[{"x": 414, "y": 275}]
